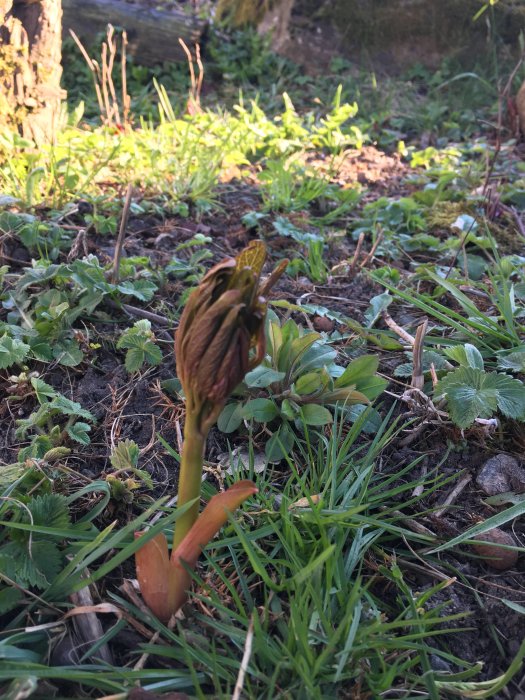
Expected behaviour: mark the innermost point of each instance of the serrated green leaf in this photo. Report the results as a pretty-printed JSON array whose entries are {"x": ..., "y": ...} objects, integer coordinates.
[
  {"x": 144, "y": 476},
  {"x": 12, "y": 351},
  {"x": 9, "y": 599},
  {"x": 9, "y": 473},
  {"x": 465, "y": 355},
  {"x": 429, "y": 358},
  {"x": 30, "y": 562},
  {"x": 125, "y": 455},
  {"x": 514, "y": 361},
  {"x": 172, "y": 386},
  {"x": 142, "y": 326},
  {"x": 79, "y": 432},
  {"x": 68, "y": 353},
  {"x": 40, "y": 563},
  {"x": 49, "y": 509},
  {"x": 140, "y": 289},
  {"x": 152, "y": 354},
  {"x": 56, "y": 453},
  {"x": 473, "y": 357},
  {"x": 134, "y": 359},
  {"x": 41, "y": 349},
  {"x": 472, "y": 393},
  {"x": 42, "y": 389},
  {"x": 70, "y": 408}
]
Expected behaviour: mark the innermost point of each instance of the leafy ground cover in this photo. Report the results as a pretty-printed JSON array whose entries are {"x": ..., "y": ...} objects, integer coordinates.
[{"x": 394, "y": 371}]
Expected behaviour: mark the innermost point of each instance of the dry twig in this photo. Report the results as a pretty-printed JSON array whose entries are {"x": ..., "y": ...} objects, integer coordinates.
[{"x": 115, "y": 269}]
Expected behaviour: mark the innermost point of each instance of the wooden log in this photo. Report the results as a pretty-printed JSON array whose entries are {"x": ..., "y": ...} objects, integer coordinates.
[{"x": 153, "y": 34}]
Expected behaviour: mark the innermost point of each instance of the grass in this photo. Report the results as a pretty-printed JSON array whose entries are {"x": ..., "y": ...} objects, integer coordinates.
[
  {"x": 302, "y": 566},
  {"x": 337, "y": 580}
]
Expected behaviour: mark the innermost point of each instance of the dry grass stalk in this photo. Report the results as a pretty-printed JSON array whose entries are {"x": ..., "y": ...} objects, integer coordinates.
[
  {"x": 108, "y": 102},
  {"x": 193, "y": 105}
]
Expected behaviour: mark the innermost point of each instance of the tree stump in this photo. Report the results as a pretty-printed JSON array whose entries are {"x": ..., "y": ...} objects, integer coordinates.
[
  {"x": 30, "y": 70},
  {"x": 276, "y": 22}
]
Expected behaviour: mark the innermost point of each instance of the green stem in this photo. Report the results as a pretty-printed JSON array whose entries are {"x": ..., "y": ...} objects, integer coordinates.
[{"x": 190, "y": 477}]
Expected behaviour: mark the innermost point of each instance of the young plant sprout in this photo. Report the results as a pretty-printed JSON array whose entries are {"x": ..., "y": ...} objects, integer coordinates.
[{"x": 220, "y": 338}]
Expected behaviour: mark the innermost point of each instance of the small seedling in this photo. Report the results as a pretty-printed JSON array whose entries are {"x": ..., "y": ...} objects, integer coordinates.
[
  {"x": 46, "y": 423},
  {"x": 296, "y": 383},
  {"x": 472, "y": 393},
  {"x": 139, "y": 340}
]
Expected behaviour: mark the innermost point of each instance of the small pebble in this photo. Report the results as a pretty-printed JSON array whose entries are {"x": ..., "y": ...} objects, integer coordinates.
[
  {"x": 323, "y": 324},
  {"x": 500, "y": 474},
  {"x": 494, "y": 556},
  {"x": 439, "y": 664}
]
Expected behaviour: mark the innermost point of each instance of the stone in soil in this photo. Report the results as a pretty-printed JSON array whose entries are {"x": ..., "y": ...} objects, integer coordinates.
[{"x": 500, "y": 474}]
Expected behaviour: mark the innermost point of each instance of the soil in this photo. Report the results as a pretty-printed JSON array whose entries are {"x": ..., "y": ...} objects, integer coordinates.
[{"x": 139, "y": 409}]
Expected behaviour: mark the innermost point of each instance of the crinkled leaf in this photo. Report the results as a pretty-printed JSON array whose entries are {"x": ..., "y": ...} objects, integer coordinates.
[
  {"x": 172, "y": 386},
  {"x": 141, "y": 289},
  {"x": 37, "y": 275},
  {"x": 134, "y": 359},
  {"x": 79, "y": 432},
  {"x": 472, "y": 393},
  {"x": 465, "y": 355},
  {"x": 429, "y": 358},
  {"x": 152, "y": 354},
  {"x": 284, "y": 227},
  {"x": 42, "y": 389},
  {"x": 125, "y": 455},
  {"x": 34, "y": 563},
  {"x": 49, "y": 509},
  {"x": 9, "y": 473},
  {"x": 9, "y": 599},
  {"x": 12, "y": 351},
  {"x": 41, "y": 349},
  {"x": 68, "y": 353},
  {"x": 514, "y": 361},
  {"x": 70, "y": 408}
]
